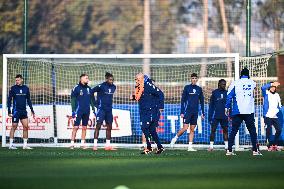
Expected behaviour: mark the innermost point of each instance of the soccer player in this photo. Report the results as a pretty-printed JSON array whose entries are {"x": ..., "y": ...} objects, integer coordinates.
[
  {"x": 151, "y": 103},
  {"x": 144, "y": 142},
  {"x": 241, "y": 93},
  {"x": 271, "y": 106},
  {"x": 216, "y": 113},
  {"x": 82, "y": 98},
  {"x": 20, "y": 94},
  {"x": 105, "y": 93},
  {"x": 192, "y": 96}
]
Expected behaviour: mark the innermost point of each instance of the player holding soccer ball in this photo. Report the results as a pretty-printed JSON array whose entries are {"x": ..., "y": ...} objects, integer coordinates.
[
  {"x": 105, "y": 93},
  {"x": 151, "y": 103},
  {"x": 271, "y": 107},
  {"x": 192, "y": 96},
  {"x": 82, "y": 98},
  {"x": 20, "y": 94}
]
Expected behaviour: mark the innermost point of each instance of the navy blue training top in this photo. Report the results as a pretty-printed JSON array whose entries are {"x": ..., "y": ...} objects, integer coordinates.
[
  {"x": 20, "y": 94},
  {"x": 217, "y": 104},
  {"x": 105, "y": 93},
  {"x": 192, "y": 96}
]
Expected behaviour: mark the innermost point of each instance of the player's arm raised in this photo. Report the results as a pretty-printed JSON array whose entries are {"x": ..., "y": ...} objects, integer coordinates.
[{"x": 264, "y": 88}]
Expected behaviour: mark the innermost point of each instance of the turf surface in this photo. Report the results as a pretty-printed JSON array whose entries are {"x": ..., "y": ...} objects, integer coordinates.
[{"x": 67, "y": 169}]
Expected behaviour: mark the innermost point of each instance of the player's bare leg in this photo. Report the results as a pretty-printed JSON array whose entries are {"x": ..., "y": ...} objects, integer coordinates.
[
  {"x": 12, "y": 133},
  {"x": 180, "y": 132},
  {"x": 73, "y": 136},
  {"x": 25, "y": 133},
  {"x": 96, "y": 136},
  {"x": 83, "y": 137},
  {"x": 191, "y": 136},
  {"x": 184, "y": 129},
  {"x": 108, "y": 137}
]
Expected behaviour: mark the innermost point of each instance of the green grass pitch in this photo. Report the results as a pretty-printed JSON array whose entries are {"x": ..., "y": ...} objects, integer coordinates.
[{"x": 60, "y": 168}]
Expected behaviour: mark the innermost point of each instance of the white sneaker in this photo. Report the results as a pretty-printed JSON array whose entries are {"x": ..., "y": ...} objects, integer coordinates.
[
  {"x": 256, "y": 153},
  {"x": 13, "y": 148},
  {"x": 190, "y": 149},
  {"x": 228, "y": 153},
  {"x": 27, "y": 148},
  {"x": 72, "y": 147},
  {"x": 173, "y": 141}
]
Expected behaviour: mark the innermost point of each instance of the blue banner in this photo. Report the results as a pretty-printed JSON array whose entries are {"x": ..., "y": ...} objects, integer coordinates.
[{"x": 171, "y": 122}]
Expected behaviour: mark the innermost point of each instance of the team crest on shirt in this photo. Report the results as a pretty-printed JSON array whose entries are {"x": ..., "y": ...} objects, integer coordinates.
[
  {"x": 88, "y": 90},
  {"x": 222, "y": 96},
  {"x": 109, "y": 90},
  {"x": 81, "y": 92},
  {"x": 194, "y": 91},
  {"x": 21, "y": 91}
]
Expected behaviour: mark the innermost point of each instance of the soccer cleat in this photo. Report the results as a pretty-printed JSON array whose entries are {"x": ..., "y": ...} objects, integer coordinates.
[
  {"x": 228, "y": 153},
  {"x": 210, "y": 149},
  {"x": 147, "y": 151},
  {"x": 190, "y": 149},
  {"x": 109, "y": 148},
  {"x": 13, "y": 148},
  {"x": 27, "y": 148},
  {"x": 71, "y": 147},
  {"x": 160, "y": 150},
  {"x": 95, "y": 148},
  {"x": 256, "y": 153},
  {"x": 173, "y": 141}
]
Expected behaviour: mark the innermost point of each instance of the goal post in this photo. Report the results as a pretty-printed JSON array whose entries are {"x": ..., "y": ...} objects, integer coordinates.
[
  {"x": 51, "y": 78},
  {"x": 4, "y": 99}
]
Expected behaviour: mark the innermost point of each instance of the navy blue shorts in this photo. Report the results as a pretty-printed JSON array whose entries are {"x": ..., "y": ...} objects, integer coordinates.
[
  {"x": 104, "y": 115},
  {"x": 19, "y": 116},
  {"x": 84, "y": 117},
  {"x": 190, "y": 118},
  {"x": 223, "y": 122}
]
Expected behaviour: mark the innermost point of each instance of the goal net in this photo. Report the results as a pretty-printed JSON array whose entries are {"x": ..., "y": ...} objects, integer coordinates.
[{"x": 51, "y": 78}]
